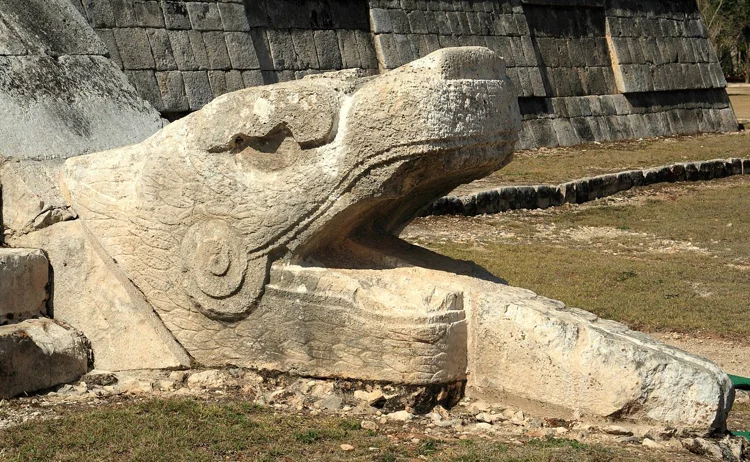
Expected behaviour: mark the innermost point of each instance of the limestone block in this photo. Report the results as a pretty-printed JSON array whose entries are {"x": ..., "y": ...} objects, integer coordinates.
[
  {"x": 84, "y": 100},
  {"x": 100, "y": 14},
  {"x": 204, "y": 16},
  {"x": 234, "y": 81},
  {"x": 304, "y": 47},
  {"x": 241, "y": 50},
  {"x": 108, "y": 37},
  {"x": 90, "y": 295},
  {"x": 134, "y": 47},
  {"x": 256, "y": 14},
  {"x": 124, "y": 12},
  {"x": 233, "y": 17},
  {"x": 48, "y": 27},
  {"x": 149, "y": 14},
  {"x": 590, "y": 366},
  {"x": 172, "y": 89},
  {"x": 38, "y": 354},
  {"x": 23, "y": 284},
  {"x": 381, "y": 21},
  {"x": 197, "y": 89},
  {"x": 418, "y": 23},
  {"x": 282, "y": 49},
  {"x": 366, "y": 48},
  {"x": 216, "y": 49},
  {"x": 182, "y": 51},
  {"x": 327, "y": 47},
  {"x": 198, "y": 47},
  {"x": 147, "y": 87},
  {"x": 253, "y": 78},
  {"x": 218, "y": 82},
  {"x": 161, "y": 49},
  {"x": 176, "y": 15},
  {"x": 348, "y": 47}
]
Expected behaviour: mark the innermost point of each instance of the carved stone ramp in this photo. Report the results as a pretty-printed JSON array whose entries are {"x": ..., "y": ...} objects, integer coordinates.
[
  {"x": 262, "y": 231},
  {"x": 60, "y": 96}
]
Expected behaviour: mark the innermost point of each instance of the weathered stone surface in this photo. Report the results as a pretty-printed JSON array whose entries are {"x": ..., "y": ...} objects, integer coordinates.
[
  {"x": 50, "y": 27},
  {"x": 38, "y": 354},
  {"x": 59, "y": 95},
  {"x": 526, "y": 346},
  {"x": 24, "y": 274},
  {"x": 31, "y": 197},
  {"x": 91, "y": 295},
  {"x": 262, "y": 231}
]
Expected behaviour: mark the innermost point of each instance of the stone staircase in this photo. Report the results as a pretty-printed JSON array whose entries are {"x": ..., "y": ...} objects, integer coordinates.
[{"x": 36, "y": 352}]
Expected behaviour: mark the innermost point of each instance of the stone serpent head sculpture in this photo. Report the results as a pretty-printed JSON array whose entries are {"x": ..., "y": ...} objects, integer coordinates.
[{"x": 262, "y": 230}]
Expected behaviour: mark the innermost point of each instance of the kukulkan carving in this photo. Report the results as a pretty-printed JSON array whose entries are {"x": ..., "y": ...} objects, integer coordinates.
[{"x": 263, "y": 231}]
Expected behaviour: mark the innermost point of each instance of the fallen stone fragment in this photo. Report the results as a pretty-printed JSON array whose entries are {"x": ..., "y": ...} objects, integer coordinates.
[
  {"x": 347, "y": 447},
  {"x": 401, "y": 416},
  {"x": 99, "y": 378},
  {"x": 23, "y": 284},
  {"x": 38, "y": 354},
  {"x": 210, "y": 379},
  {"x": 368, "y": 425}
]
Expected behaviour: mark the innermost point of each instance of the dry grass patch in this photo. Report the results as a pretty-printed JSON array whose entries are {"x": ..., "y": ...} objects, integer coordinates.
[
  {"x": 191, "y": 430},
  {"x": 558, "y": 165},
  {"x": 662, "y": 258}
]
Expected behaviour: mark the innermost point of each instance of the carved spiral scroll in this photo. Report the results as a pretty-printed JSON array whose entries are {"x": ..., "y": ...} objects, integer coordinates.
[{"x": 216, "y": 273}]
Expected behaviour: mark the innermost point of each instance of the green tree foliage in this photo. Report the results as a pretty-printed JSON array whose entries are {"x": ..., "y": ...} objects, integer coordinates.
[{"x": 728, "y": 24}]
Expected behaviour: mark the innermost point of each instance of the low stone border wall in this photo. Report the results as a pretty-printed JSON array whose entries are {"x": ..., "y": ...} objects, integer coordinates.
[{"x": 583, "y": 190}]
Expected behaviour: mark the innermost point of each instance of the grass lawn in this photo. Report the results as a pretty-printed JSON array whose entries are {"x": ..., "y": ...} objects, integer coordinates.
[
  {"x": 191, "y": 430},
  {"x": 662, "y": 258}
]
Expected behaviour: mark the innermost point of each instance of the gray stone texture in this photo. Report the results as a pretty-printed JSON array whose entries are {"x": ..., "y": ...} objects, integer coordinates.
[
  {"x": 204, "y": 16},
  {"x": 161, "y": 49},
  {"x": 172, "y": 89},
  {"x": 38, "y": 354},
  {"x": 216, "y": 49},
  {"x": 134, "y": 47},
  {"x": 241, "y": 50},
  {"x": 197, "y": 88},
  {"x": 84, "y": 100}
]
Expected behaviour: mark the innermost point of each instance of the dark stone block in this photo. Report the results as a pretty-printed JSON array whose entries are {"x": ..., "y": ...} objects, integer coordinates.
[
  {"x": 182, "y": 51},
  {"x": 216, "y": 49},
  {"x": 198, "y": 89},
  {"x": 327, "y": 46},
  {"x": 176, "y": 15},
  {"x": 233, "y": 17},
  {"x": 135, "y": 49},
  {"x": 149, "y": 14},
  {"x": 162, "y": 49}
]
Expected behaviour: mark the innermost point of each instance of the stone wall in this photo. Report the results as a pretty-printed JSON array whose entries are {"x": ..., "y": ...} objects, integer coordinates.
[
  {"x": 182, "y": 54},
  {"x": 584, "y": 70}
]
